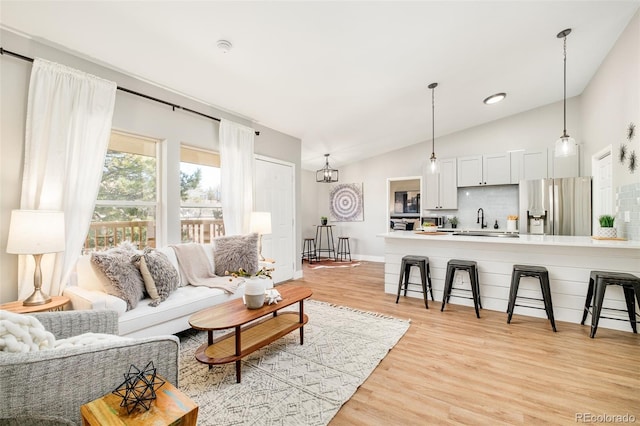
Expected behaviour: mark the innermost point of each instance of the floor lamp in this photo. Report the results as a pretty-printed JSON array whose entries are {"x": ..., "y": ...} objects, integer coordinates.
[
  {"x": 36, "y": 232},
  {"x": 260, "y": 223}
]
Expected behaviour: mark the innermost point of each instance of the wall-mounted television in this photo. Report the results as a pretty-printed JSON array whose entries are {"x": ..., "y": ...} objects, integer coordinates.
[{"x": 407, "y": 202}]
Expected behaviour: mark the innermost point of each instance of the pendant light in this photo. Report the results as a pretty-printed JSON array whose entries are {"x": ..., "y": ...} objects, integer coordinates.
[
  {"x": 434, "y": 164},
  {"x": 565, "y": 145},
  {"x": 326, "y": 174}
]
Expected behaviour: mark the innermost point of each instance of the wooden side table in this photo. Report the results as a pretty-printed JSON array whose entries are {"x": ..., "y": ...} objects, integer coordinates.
[
  {"x": 170, "y": 407},
  {"x": 56, "y": 304}
]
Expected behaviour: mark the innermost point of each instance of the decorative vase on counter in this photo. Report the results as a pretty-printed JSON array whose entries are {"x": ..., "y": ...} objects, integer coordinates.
[
  {"x": 607, "y": 232},
  {"x": 254, "y": 293}
]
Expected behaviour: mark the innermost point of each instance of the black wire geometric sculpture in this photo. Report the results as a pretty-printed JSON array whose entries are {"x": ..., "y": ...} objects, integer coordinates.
[{"x": 139, "y": 387}]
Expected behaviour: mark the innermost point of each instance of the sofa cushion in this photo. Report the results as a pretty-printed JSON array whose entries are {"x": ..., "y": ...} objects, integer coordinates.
[
  {"x": 173, "y": 314},
  {"x": 230, "y": 253},
  {"x": 124, "y": 277},
  {"x": 159, "y": 275}
]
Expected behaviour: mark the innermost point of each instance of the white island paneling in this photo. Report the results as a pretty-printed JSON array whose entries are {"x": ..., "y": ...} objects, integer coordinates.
[{"x": 568, "y": 259}]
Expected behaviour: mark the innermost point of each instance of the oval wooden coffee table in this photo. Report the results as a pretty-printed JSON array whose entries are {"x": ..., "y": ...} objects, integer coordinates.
[{"x": 247, "y": 338}]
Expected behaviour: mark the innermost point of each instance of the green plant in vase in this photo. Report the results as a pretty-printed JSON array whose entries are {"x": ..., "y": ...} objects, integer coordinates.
[
  {"x": 453, "y": 221},
  {"x": 323, "y": 220},
  {"x": 606, "y": 226}
]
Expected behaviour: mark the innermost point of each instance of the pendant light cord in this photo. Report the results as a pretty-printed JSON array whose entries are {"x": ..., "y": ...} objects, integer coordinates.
[
  {"x": 433, "y": 122},
  {"x": 565, "y": 86}
]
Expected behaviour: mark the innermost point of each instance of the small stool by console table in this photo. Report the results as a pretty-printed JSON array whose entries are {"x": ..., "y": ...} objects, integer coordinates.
[{"x": 330, "y": 248}]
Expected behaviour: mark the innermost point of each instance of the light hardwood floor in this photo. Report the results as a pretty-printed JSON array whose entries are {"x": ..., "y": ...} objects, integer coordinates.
[{"x": 452, "y": 368}]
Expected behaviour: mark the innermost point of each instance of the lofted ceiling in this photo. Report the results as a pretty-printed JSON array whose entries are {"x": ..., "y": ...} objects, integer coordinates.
[{"x": 347, "y": 78}]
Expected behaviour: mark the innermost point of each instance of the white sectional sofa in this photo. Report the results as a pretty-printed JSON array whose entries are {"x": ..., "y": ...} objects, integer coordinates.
[{"x": 170, "y": 316}]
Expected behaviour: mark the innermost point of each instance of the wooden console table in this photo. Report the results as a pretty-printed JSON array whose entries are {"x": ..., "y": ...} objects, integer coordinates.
[{"x": 246, "y": 339}]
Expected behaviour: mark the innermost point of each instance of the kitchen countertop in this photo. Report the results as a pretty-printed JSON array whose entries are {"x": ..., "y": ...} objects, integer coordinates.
[{"x": 524, "y": 239}]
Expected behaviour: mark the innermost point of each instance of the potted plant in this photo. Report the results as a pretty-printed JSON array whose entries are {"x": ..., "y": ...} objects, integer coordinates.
[
  {"x": 453, "y": 221},
  {"x": 323, "y": 220},
  {"x": 606, "y": 226}
]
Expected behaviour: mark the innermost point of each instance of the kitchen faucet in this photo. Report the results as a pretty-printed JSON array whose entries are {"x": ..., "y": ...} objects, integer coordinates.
[{"x": 480, "y": 218}]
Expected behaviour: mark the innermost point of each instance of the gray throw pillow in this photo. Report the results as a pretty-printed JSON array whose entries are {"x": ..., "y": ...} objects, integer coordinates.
[
  {"x": 234, "y": 252},
  {"x": 159, "y": 275},
  {"x": 124, "y": 277}
]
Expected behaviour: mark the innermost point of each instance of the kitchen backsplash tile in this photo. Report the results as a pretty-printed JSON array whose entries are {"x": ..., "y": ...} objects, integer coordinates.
[
  {"x": 628, "y": 202},
  {"x": 497, "y": 201}
]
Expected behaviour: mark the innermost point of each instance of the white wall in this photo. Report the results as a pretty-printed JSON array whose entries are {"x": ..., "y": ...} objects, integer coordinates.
[
  {"x": 595, "y": 119},
  {"x": 612, "y": 100},
  {"x": 132, "y": 114}
]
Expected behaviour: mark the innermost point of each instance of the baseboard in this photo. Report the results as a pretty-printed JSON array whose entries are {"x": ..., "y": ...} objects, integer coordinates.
[{"x": 367, "y": 258}]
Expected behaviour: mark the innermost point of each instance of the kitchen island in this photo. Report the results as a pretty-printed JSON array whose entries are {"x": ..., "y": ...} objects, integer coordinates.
[{"x": 568, "y": 259}]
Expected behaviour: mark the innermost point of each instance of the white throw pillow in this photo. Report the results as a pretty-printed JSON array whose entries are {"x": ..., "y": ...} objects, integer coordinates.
[{"x": 90, "y": 277}]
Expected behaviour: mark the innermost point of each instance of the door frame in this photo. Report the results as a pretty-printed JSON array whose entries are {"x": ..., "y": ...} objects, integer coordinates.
[
  {"x": 595, "y": 201},
  {"x": 388, "y": 199}
]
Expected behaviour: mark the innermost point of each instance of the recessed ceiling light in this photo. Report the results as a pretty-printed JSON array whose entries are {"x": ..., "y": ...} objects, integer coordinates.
[
  {"x": 495, "y": 98},
  {"x": 224, "y": 45}
]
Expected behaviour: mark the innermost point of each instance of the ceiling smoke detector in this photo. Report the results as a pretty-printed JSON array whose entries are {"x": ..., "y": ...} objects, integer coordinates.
[{"x": 224, "y": 45}]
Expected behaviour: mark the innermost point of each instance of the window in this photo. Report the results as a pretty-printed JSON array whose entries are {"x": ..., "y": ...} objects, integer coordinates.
[
  {"x": 200, "y": 208},
  {"x": 127, "y": 204}
]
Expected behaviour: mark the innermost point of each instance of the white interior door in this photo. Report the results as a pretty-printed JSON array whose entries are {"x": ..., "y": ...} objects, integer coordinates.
[{"x": 275, "y": 194}]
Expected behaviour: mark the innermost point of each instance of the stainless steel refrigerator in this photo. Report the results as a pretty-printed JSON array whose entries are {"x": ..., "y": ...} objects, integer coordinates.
[{"x": 556, "y": 206}]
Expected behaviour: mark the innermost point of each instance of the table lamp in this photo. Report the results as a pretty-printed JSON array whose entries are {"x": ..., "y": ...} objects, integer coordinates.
[
  {"x": 36, "y": 232},
  {"x": 260, "y": 223}
]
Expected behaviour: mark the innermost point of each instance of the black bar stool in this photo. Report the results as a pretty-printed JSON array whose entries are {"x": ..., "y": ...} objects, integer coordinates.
[
  {"x": 309, "y": 250},
  {"x": 472, "y": 269},
  {"x": 344, "y": 249},
  {"x": 539, "y": 272},
  {"x": 598, "y": 282},
  {"x": 421, "y": 262}
]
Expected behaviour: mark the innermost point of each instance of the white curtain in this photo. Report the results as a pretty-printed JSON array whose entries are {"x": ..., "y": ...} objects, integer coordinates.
[
  {"x": 68, "y": 125},
  {"x": 236, "y": 174}
]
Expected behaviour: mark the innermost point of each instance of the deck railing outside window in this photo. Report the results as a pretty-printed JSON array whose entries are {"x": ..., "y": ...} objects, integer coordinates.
[{"x": 104, "y": 235}]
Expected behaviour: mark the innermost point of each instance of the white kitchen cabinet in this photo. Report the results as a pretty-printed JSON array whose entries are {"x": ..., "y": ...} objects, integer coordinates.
[
  {"x": 527, "y": 165},
  {"x": 488, "y": 169},
  {"x": 441, "y": 190}
]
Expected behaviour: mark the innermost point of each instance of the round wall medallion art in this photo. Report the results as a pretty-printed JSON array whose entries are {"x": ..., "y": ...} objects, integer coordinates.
[{"x": 346, "y": 203}]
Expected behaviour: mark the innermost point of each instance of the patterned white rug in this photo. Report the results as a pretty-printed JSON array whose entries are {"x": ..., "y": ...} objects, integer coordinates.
[{"x": 287, "y": 383}]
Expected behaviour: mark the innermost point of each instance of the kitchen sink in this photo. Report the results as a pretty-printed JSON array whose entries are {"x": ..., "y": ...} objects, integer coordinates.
[{"x": 487, "y": 234}]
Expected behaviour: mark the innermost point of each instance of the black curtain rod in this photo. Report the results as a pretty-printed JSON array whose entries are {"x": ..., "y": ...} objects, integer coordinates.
[{"x": 133, "y": 92}]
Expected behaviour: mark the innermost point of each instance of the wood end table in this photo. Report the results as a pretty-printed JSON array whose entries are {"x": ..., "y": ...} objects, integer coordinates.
[
  {"x": 171, "y": 407},
  {"x": 56, "y": 304}
]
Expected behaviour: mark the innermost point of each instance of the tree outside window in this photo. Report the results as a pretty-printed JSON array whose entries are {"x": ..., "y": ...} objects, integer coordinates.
[
  {"x": 127, "y": 203},
  {"x": 200, "y": 207}
]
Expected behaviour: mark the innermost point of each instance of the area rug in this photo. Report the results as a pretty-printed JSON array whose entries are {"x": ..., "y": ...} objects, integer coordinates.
[
  {"x": 287, "y": 383},
  {"x": 330, "y": 263}
]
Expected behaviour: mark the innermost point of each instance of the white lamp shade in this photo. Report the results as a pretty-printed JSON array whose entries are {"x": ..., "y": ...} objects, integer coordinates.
[
  {"x": 260, "y": 222},
  {"x": 36, "y": 232}
]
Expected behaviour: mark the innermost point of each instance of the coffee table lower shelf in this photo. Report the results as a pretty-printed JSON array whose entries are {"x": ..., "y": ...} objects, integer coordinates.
[{"x": 245, "y": 340}]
